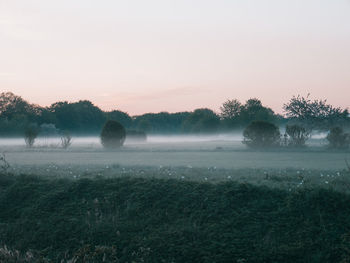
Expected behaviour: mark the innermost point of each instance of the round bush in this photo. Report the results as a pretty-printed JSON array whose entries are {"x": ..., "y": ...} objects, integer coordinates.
[
  {"x": 113, "y": 135},
  {"x": 338, "y": 139},
  {"x": 261, "y": 134}
]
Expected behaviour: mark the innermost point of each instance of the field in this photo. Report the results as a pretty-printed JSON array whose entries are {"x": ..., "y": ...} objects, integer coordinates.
[
  {"x": 173, "y": 199},
  {"x": 210, "y": 158},
  {"x": 154, "y": 220}
]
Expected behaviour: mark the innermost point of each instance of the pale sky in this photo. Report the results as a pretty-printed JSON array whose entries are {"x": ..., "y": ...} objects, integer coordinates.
[{"x": 160, "y": 55}]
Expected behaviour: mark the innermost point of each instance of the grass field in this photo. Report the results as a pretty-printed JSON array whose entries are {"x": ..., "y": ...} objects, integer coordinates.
[
  {"x": 154, "y": 220},
  {"x": 173, "y": 200},
  {"x": 206, "y": 153}
]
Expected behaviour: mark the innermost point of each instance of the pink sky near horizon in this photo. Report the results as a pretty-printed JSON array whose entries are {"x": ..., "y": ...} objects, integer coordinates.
[{"x": 165, "y": 55}]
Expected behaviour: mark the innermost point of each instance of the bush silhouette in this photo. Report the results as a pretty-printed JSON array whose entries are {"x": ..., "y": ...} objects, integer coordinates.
[
  {"x": 298, "y": 135},
  {"x": 113, "y": 135},
  {"x": 338, "y": 139},
  {"x": 261, "y": 134},
  {"x": 30, "y": 134},
  {"x": 66, "y": 139}
]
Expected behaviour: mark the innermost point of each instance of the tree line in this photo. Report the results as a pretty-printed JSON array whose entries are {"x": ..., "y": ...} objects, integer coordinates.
[{"x": 83, "y": 117}]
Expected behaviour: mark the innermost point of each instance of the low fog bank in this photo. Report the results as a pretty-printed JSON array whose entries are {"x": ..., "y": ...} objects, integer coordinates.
[
  {"x": 195, "y": 138},
  {"x": 90, "y": 141}
]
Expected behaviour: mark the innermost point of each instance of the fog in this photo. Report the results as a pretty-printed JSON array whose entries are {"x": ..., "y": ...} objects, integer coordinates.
[
  {"x": 94, "y": 141},
  {"x": 224, "y": 151}
]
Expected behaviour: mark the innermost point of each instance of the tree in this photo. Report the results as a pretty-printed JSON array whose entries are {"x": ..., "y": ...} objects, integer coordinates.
[
  {"x": 298, "y": 135},
  {"x": 315, "y": 114},
  {"x": 30, "y": 134},
  {"x": 144, "y": 125},
  {"x": 338, "y": 139},
  {"x": 121, "y": 117},
  {"x": 16, "y": 114},
  {"x": 12, "y": 105},
  {"x": 230, "y": 112},
  {"x": 253, "y": 110},
  {"x": 202, "y": 121},
  {"x": 66, "y": 139},
  {"x": 113, "y": 135},
  {"x": 261, "y": 134},
  {"x": 162, "y": 122},
  {"x": 80, "y": 117}
]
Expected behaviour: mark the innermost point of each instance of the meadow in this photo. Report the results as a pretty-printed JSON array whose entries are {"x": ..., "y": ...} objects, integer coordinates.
[
  {"x": 204, "y": 159},
  {"x": 173, "y": 199}
]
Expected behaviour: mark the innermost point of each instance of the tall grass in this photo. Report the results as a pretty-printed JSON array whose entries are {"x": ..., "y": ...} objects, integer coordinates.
[{"x": 154, "y": 220}]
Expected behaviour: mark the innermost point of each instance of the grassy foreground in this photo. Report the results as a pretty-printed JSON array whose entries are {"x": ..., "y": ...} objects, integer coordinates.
[{"x": 154, "y": 220}]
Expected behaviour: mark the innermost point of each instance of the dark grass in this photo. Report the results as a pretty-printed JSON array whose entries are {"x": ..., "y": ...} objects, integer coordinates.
[{"x": 154, "y": 220}]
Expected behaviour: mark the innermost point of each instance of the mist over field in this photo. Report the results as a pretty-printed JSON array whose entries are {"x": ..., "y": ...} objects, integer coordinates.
[
  {"x": 222, "y": 151},
  {"x": 102, "y": 185},
  {"x": 174, "y": 131}
]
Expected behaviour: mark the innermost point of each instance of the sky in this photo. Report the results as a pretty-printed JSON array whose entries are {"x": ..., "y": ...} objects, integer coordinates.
[{"x": 144, "y": 56}]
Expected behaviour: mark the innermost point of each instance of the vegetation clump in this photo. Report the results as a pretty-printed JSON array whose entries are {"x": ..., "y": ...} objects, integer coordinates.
[
  {"x": 113, "y": 134},
  {"x": 298, "y": 135},
  {"x": 202, "y": 121},
  {"x": 83, "y": 117},
  {"x": 66, "y": 140},
  {"x": 30, "y": 135},
  {"x": 315, "y": 114},
  {"x": 338, "y": 139},
  {"x": 112, "y": 219},
  {"x": 261, "y": 134}
]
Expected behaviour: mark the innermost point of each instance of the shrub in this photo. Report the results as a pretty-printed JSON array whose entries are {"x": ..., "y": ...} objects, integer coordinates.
[
  {"x": 338, "y": 139},
  {"x": 260, "y": 134},
  {"x": 66, "y": 140},
  {"x": 113, "y": 134},
  {"x": 298, "y": 135},
  {"x": 30, "y": 134}
]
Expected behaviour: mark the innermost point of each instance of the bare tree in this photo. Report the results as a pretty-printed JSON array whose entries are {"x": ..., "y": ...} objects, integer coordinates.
[
  {"x": 66, "y": 140},
  {"x": 30, "y": 134}
]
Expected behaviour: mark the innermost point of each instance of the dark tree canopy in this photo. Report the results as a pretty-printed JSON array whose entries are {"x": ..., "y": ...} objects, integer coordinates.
[
  {"x": 202, "y": 121},
  {"x": 12, "y": 105},
  {"x": 121, "y": 117},
  {"x": 237, "y": 115},
  {"x": 83, "y": 117},
  {"x": 253, "y": 110},
  {"x": 231, "y": 110},
  {"x": 80, "y": 116},
  {"x": 162, "y": 122},
  {"x": 113, "y": 135},
  {"x": 261, "y": 134},
  {"x": 338, "y": 139},
  {"x": 315, "y": 114},
  {"x": 298, "y": 135},
  {"x": 16, "y": 114}
]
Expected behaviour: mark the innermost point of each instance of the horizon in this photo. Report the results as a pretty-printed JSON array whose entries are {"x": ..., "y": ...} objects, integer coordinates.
[{"x": 175, "y": 56}]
